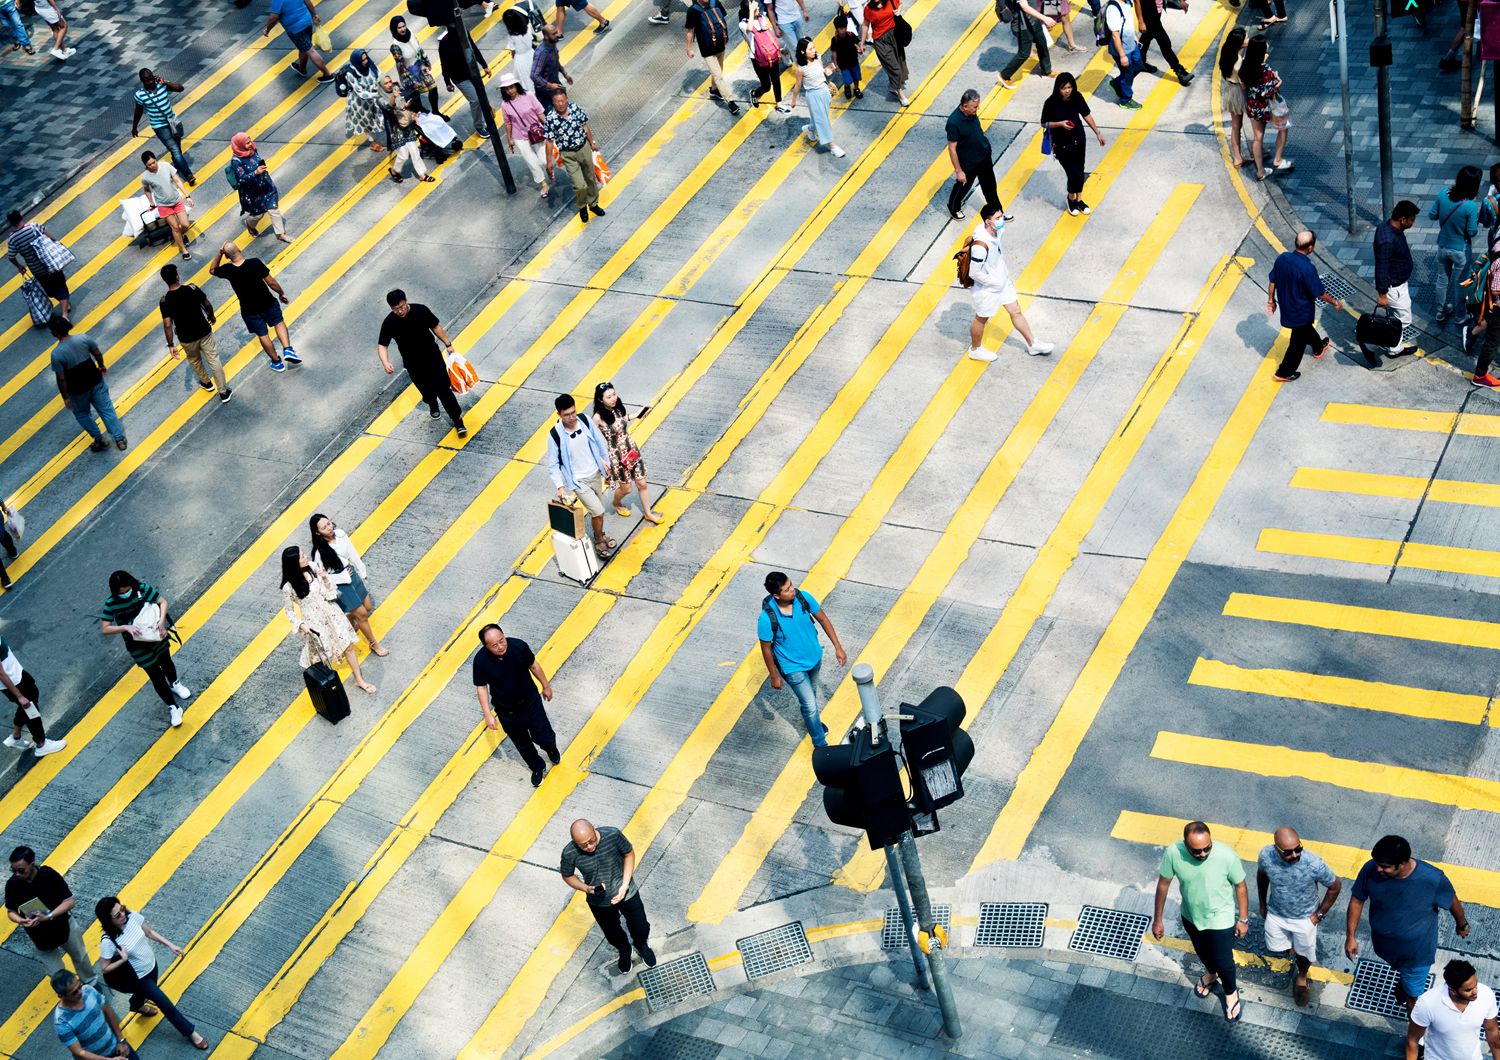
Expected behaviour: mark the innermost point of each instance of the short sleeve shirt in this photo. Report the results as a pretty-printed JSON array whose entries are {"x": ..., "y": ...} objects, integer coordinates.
[
  {"x": 74, "y": 359},
  {"x": 968, "y": 139},
  {"x": 605, "y": 866},
  {"x": 51, "y": 890},
  {"x": 1207, "y": 886},
  {"x": 86, "y": 1026},
  {"x": 1451, "y": 1034},
  {"x": 294, "y": 14},
  {"x": 1298, "y": 286},
  {"x": 248, "y": 279},
  {"x": 412, "y": 335},
  {"x": 794, "y": 642},
  {"x": 508, "y": 676},
  {"x": 1294, "y": 884},
  {"x": 184, "y": 306},
  {"x": 1404, "y": 912},
  {"x": 157, "y": 105},
  {"x": 135, "y": 944},
  {"x": 1074, "y": 109},
  {"x": 566, "y": 131},
  {"x": 1119, "y": 18},
  {"x": 163, "y": 191},
  {"x": 709, "y": 24}
]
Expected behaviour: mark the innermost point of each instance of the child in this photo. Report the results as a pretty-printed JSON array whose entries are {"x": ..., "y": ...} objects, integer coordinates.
[{"x": 846, "y": 51}]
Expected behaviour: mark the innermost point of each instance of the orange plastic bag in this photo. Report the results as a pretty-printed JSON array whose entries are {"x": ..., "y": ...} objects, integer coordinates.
[
  {"x": 461, "y": 374},
  {"x": 601, "y": 169}
]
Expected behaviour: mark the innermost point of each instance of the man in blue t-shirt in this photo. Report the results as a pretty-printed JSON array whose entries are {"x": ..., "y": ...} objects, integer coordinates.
[
  {"x": 297, "y": 18},
  {"x": 1405, "y": 897},
  {"x": 1296, "y": 279},
  {"x": 84, "y": 1022},
  {"x": 789, "y": 645}
]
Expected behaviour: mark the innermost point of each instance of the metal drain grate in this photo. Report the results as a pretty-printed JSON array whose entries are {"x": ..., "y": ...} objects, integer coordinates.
[
  {"x": 674, "y": 1045},
  {"x": 1109, "y": 932},
  {"x": 1373, "y": 989},
  {"x": 1014, "y": 925},
  {"x": 1337, "y": 286},
  {"x": 893, "y": 934},
  {"x": 677, "y": 980},
  {"x": 775, "y": 950}
]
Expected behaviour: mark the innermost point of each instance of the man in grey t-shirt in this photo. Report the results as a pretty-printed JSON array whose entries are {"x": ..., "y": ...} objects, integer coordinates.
[
  {"x": 78, "y": 364},
  {"x": 1287, "y": 878},
  {"x": 600, "y": 862}
]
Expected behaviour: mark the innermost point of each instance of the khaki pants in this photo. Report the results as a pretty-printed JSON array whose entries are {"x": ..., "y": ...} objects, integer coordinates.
[
  {"x": 203, "y": 355},
  {"x": 52, "y": 959},
  {"x": 277, "y": 224},
  {"x": 580, "y": 167},
  {"x": 715, "y": 64}
]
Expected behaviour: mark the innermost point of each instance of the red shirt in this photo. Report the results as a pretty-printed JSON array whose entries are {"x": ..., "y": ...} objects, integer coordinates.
[{"x": 882, "y": 19}]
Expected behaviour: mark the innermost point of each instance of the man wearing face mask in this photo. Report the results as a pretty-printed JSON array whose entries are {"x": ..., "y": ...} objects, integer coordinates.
[
  {"x": 1215, "y": 907},
  {"x": 993, "y": 290}
]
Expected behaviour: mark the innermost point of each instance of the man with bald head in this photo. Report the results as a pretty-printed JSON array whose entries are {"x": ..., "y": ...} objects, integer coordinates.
[
  {"x": 1295, "y": 278},
  {"x": 1287, "y": 878},
  {"x": 600, "y": 862}
]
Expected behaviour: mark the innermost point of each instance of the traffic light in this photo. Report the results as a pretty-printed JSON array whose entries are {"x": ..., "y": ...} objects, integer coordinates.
[
  {"x": 937, "y": 749},
  {"x": 862, "y": 788},
  {"x": 1400, "y": 8}
]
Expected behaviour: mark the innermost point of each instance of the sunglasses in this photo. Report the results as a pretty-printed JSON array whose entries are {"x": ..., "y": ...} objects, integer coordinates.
[
  {"x": 1201, "y": 854},
  {"x": 1295, "y": 852}
]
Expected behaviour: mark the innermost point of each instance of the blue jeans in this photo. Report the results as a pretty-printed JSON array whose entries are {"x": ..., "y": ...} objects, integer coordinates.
[
  {"x": 792, "y": 32},
  {"x": 171, "y": 138},
  {"x": 147, "y": 990},
  {"x": 10, "y": 19},
  {"x": 97, "y": 400},
  {"x": 804, "y": 686},
  {"x": 1124, "y": 81},
  {"x": 1455, "y": 263}
]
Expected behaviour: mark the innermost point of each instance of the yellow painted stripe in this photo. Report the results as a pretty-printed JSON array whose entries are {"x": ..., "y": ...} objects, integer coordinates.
[
  {"x": 1413, "y": 625},
  {"x": 1473, "y": 424},
  {"x": 1342, "y": 692},
  {"x": 1415, "y": 555},
  {"x": 1473, "y": 885},
  {"x": 1401, "y": 487},
  {"x": 1373, "y": 778}
]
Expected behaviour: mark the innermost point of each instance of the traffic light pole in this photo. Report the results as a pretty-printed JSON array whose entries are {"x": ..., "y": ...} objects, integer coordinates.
[
  {"x": 461, "y": 26},
  {"x": 928, "y": 923},
  {"x": 1382, "y": 47}
]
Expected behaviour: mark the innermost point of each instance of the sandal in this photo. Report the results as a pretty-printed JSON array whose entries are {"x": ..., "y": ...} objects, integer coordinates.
[
  {"x": 377, "y": 148},
  {"x": 610, "y": 543},
  {"x": 1203, "y": 989},
  {"x": 379, "y": 651},
  {"x": 367, "y": 688},
  {"x": 1233, "y": 1012},
  {"x": 284, "y": 239},
  {"x": 601, "y": 551},
  {"x": 429, "y": 179},
  {"x": 397, "y": 178}
]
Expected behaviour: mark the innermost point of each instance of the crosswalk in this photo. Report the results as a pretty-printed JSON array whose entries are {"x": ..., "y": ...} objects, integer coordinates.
[{"x": 795, "y": 328}]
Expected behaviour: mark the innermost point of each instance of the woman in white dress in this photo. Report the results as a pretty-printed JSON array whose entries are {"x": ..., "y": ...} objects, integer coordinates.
[{"x": 313, "y": 610}]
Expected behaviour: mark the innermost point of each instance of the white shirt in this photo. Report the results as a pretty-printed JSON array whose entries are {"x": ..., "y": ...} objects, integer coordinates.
[
  {"x": 346, "y": 552},
  {"x": 1451, "y": 1034},
  {"x": 813, "y": 75},
  {"x": 135, "y": 944},
  {"x": 987, "y": 261},
  {"x": 582, "y": 457},
  {"x": 10, "y": 664},
  {"x": 1119, "y": 18}
]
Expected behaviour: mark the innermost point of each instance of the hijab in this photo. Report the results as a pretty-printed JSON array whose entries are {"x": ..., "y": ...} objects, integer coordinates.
[
  {"x": 360, "y": 60},
  {"x": 242, "y": 145},
  {"x": 404, "y": 44}
]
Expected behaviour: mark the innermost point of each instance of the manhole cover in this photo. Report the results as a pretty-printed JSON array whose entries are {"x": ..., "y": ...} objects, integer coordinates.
[
  {"x": 1373, "y": 989},
  {"x": 1014, "y": 925},
  {"x": 1109, "y": 932},
  {"x": 677, "y": 980},
  {"x": 674, "y": 1045},
  {"x": 893, "y": 934},
  {"x": 775, "y": 950}
]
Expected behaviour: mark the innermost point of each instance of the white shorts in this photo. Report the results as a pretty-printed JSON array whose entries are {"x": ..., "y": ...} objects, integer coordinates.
[
  {"x": 48, "y": 12},
  {"x": 990, "y": 300},
  {"x": 1284, "y": 934}
]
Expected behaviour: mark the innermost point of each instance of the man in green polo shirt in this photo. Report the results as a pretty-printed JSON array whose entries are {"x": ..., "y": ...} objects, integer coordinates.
[{"x": 1211, "y": 880}]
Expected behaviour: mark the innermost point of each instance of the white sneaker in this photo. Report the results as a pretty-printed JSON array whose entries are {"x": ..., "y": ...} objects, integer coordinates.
[
  {"x": 176, "y": 716},
  {"x": 1040, "y": 349},
  {"x": 50, "y": 747},
  {"x": 70, "y": 53},
  {"x": 836, "y": 151},
  {"x": 904, "y": 101},
  {"x": 807, "y": 131},
  {"x": 982, "y": 354},
  {"x": 783, "y": 108},
  {"x": 58, "y": 53},
  {"x": 182, "y": 691},
  {"x": 19, "y": 743}
]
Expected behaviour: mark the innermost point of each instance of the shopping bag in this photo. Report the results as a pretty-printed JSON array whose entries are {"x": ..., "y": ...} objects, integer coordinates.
[
  {"x": 321, "y": 40},
  {"x": 461, "y": 374},
  {"x": 601, "y": 169},
  {"x": 15, "y": 522},
  {"x": 37, "y": 302}
]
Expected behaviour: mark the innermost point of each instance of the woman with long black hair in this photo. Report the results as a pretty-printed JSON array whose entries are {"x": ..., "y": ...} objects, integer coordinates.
[
  {"x": 138, "y": 613},
  {"x": 627, "y": 465},
  {"x": 129, "y": 964},
  {"x": 313, "y": 610},
  {"x": 335, "y": 555},
  {"x": 1232, "y": 92},
  {"x": 1264, "y": 106},
  {"x": 1063, "y": 116}
]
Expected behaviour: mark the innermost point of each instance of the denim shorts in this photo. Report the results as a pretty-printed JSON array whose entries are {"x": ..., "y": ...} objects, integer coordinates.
[
  {"x": 261, "y": 323},
  {"x": 301, "y": 39},
  {"x": 1414, "y": 980},
  {"x": 849, "y": 77}
]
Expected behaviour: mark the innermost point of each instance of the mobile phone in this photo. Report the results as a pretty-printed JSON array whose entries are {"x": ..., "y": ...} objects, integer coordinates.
[{"x": 642, "y": 414}]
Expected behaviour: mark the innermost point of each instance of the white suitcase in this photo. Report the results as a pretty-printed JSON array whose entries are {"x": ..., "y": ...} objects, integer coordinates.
[{"x": 575, "y": 557}]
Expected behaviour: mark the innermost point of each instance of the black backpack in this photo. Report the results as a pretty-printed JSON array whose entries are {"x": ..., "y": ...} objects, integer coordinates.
[{"x": 768, "y": 605}]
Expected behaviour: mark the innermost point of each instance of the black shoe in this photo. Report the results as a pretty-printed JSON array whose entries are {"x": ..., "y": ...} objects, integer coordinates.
[
  {"x": 603, "y": 27},
  {"x": 1184, "y": 78},
  {"x": 463, "y": 432},
  {"x": 433, "y": 412},
  {"x": 583, "y": 215},
  {"x": 1449, "y": 66},
  {"x": 325, "y": 79},
  {"x": 1007, "y": 217},
  {"x": 225, "y": 395},
  {"x": 554, "y": 754},
  {"x": 5, "y": 583},
  {"x": 121, "y": 443},
  {"x": 1147, "y": 68},
  {"x": 734, "y": 108},
  {"x": 596, "y": 210},
  {"x": 1371, "y": 357},
  {"x": 648, "y": 955},
  {"x": 713, "y": 92},
  {"x": 206, "y": 386},
  {"x": 848, "y": 91},
  {"x": 624, "y": 962},
  {"x": 536, "y": 777},
  {"x": 857, "y": 93},
  {"x": 99, "y": 446}
]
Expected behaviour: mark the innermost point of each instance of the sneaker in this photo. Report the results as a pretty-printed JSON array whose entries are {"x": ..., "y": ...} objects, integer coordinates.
[
  {"x": 98, "y": 446},
  {"x": 982, "y": 354},
  {"x": 181, "y": 691},
  {"x": 624, "y": 962},
  {"x": 603, "y": 27},
  {"x": 463, "y": 432},
  {"x": 648, "y": 955},
  {"x": 1040, "y": 348},
  {"x": 278, "y": 366},
  {"x": 434, "y": 413},
  {"x": 121, "y": 443},
  {"x": 734, "y": 108},
  {"x": 660, "y": 19},
  {"x": 225, "y": 395},
  {"x": 596, "y": 210},
  {"x": 290, "y": 356},
  {"x": 836, "y": 151},
  {"x": 1084, "y": 207},
  {"x": 1007, "y": 217},
  {"x": 176, "y": 716},
  {"x": 1321, "y": 350},
  {"x": 19, "y": 743},
  {"x": 713, "y": 92},
  {"x": 58, "y": 53},
  {"x": 783, "y": 108},
  {"x": 904, "y": 101},
  {"x": 1130, "y": 104},
  {"x": 536, "y": 777},
  {"x": 68, "y": 53},
  {"x": 1184, "y": 78},
  {"x": 958, "y": 215},
  {"x": 205, "y": 386},
  {"x": 583, "y": 215},
  {"x": 325, "y": 79},
  {"x": 50, "y": 747},
  {"x": 1073, "y": 210},
  {"x": 1404, "y": 351},
  {"x": 1288, "y": 378},
  {"x": 555, "y": 755},
  {"x": 1487, "y": 381}
]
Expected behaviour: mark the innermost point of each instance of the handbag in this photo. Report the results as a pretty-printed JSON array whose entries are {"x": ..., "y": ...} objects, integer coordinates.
[
  {"x": 15, "y": 523},
  {"x": 534, "y": 135},
  {"x": 903, "y": 32},
  {"x": 37, "y": 302},
  {"x": 631, "y": 458},
  {"x": 1379, "y": 327},
  {"x": 1046, "y": 140},
  {"x": 146, "y": 625},
  {"x": 57, "y": 252}
]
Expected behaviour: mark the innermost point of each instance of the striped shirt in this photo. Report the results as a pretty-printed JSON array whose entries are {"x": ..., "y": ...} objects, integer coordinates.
[
  {"x": 40, "y": 252},
  {"x": 86, "y": 1026},
  {"x": 157, "y": 104},
  {"x": 133, "y": 941},
  {"x": 121, "y": 610}
]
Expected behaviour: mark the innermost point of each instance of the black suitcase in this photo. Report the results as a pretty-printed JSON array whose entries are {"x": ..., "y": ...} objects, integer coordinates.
[
  {"x": 326, "y": 691},
  {"x": 1378, "y": 327}
]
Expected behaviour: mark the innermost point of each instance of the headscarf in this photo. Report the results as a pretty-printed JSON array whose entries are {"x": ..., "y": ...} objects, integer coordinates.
[
  {"x": 360, "y": 60},
  {"x": 242, "y": 145},
  {"x": 405, "y": 46},
  {"x": 404, "y": 33}
]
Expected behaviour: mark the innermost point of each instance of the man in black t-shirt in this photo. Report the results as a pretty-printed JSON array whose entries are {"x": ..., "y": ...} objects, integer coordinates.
[
  {"x": 187, "y": 309},
  {"x": 411, "y": 327},
  {"x": 261, "y": 298},
  {"x": 503, "y": 669},
  {"x": 969, "y": 154},
  {"x": 47, "y": 901}
]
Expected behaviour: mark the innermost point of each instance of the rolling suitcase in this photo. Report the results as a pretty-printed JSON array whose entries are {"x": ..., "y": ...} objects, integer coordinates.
[{"x": 326, "y": 691}]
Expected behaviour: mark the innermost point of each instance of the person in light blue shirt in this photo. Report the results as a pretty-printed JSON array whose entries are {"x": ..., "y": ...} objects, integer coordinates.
[
  {"x": 790, "y": 647},
  {"x": 83, "y": 1020},
  {"x": 297, "y": 18},
  {"x": 1456, "y": 210}
]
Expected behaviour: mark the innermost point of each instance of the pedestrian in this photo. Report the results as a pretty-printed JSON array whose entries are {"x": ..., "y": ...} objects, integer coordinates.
[
  {"x": 663, "y": 15},
  {"x": 138, "y": 614},
  {"x": 129, "y": 965},
  {"x": 84, "y": 1022},
  {"x": 362, "y": 112},
  {"x": 259, "y": 197},
  {"x": 1451, "y": 1019},
  {"x": 1152, "y": 31},
  {"x": 78, "y": 364},
  {"x": 39, "y": 899},
  {"x": 811, "y": 83},
  {"x": 31, "y": 247},
  {"x": 1405, "y": 896},
  {"x": 411, "y": 327},
  {"x": 708, "y": 25},
  {"x": 20, "y": 688},
  {"x": 880, "y": 28},
  {"x": 1489, "y": 340},
  {"x": 566, "y": 125},
  {"x": 1232, "y": 92},
  {"x": 1275, "y": 13},
  {"x": 522, "y": 44},
  {"x": 165, "y": 193},
  {"x": 627, "y": 464},
  {"x": 1456, "y": 210},
  {"x": 261, "y": 297},
  {"x": 187, "y": 317},
  {"x": 297, "y": 18},
  {"x": 10, "y": 19},
  {"x": 312, "y": 607},
  {"x": 51, "y": 13},
  {"x": 791, "y": 22},
  {"x": 1063, "y": 116},
  {"x": 547, "y": 72},
  {"x": 459, "y": 74},
  {"x": 522, "y": 113},
  {"x": 790, "y": 648},
  {"x": 503, "y": 669},
  {"x": 1062, "y": 11},
  {"x": 1296, "y": 278},
  {"x": 8, "y": 533},
  {"x": 402, "y": 133},
  {"x": 1120, "y": 22},
  {"x": 1211, "y": 886},
  {"x": 580, "y": 5},
  {"x": 1287, "y": 878},
  {"x": 413, "y": 68},
  {"x": 154, "y": 100},
  {"x": 335, "y": 555},
  {"x": 1393, "y": 267},
  {"x": 1264, "y": 106},
  {"x": 1030, "y": 27},
  {"x": 847, "y": 49},
  {"x": 577, "y": 466},
  {"x": 600, "y": 862},
  {"x": 992, "y": 288}
]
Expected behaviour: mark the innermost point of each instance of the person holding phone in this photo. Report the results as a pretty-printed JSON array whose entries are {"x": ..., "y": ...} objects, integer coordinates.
[
  {"x": 1063, "y": 117},
  {"x": 600, "y": 862},
  {"x": 627, "y": 465}
]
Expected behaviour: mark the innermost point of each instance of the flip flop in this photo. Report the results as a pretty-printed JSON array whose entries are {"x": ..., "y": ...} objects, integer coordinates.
[
  {"x": 1203, "y": 989},
  {"x": 1233, "y": 1012}
]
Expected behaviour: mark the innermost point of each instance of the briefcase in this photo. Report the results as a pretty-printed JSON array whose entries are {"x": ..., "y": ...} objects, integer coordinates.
[
  {"x": 1378, "y": 327},
  {"x": 326, "y": 691}
]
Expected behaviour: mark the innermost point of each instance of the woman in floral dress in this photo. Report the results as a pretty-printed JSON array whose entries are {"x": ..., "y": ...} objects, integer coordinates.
[
  {"x": 312, "y": 608},
  {"x": 259, "y": 196},
  {"x": 413, "y": 66},
  {"x": 626, "y": 464},
  {"x": 362, "y": 115}
]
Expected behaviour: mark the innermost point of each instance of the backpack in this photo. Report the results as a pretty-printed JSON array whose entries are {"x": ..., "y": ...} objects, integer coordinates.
[
  {"x": 533, "y": 13},
  {"x": 768, "y": 605},
  {"x": 341, "y": 82},
  {"x": 765, "y": 47},
  {"x": 1102, "y": 36},
  {"x": 1476, "y": 283},
  {"x": 234, "y": 181},
  {"x": 1003, "y": 10},
  {"x": 965, "y": 259}
]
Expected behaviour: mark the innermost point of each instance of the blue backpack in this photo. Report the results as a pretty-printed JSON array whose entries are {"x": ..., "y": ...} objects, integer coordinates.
[{"x": 768, "y": 605}]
